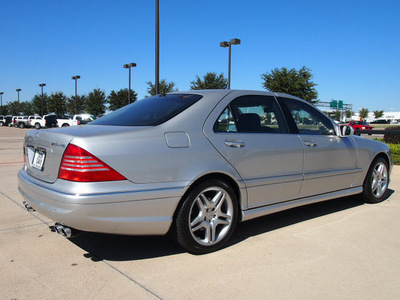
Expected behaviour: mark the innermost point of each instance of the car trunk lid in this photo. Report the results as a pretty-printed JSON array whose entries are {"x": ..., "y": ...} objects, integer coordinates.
[{"x": 43, "y": 152}]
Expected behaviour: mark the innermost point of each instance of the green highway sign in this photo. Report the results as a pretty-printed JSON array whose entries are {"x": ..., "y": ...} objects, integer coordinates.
[{"x": 336, "y": 104}]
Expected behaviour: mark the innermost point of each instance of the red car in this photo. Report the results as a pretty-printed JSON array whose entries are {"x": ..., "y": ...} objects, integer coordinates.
[{"x": 360, "y": 125}]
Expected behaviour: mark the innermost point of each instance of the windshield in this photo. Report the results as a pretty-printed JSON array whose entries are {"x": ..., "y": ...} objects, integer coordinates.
[{"x": 149, "y": 111}]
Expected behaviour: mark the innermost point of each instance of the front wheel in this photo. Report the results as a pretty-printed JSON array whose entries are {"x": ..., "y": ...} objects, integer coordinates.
[
  {"x": 207, "y": 217},
  {"x": 37, "y": 126},
  {"x": 377, "y": 182}
]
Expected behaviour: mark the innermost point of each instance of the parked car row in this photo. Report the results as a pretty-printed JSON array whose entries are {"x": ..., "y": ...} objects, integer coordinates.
[{"x": 47, "y": 121}]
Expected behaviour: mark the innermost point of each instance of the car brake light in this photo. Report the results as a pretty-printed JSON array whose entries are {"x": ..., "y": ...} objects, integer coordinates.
[{"x": 79, "y": 165}]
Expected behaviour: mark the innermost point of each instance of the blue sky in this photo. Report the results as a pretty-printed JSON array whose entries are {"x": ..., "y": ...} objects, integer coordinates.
[{"x": 352, "y": 47}]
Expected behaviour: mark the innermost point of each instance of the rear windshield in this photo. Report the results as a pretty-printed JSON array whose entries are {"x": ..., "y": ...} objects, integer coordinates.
[{"x": 149, "y": 111}]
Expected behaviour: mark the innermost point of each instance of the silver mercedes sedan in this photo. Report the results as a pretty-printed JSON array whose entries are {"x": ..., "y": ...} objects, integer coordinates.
[{"x": 196, "y": 163}]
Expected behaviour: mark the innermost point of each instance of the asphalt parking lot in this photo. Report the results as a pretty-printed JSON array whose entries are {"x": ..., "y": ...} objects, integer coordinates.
[{"x": 340, "y": 249}]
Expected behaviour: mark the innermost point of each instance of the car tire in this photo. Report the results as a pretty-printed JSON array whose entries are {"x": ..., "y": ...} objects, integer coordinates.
[
  {"x": 37, "y": 126},
  {"x": 377, "y": 181},
  {"x": 1, "y": 124},
  {"x": 21, "y": 125},
  {"x": 65, "y": 125},
  {"x": 207, "y": 217}
]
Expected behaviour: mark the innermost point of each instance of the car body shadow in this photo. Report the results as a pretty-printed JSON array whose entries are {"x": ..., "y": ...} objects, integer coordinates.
[{"x": 125, "y": 248}]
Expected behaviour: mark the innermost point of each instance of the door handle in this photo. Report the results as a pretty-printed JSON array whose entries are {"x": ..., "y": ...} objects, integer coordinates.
[
  {"x": 234, "y": 143},
  {"x": 310, "y": 143}
]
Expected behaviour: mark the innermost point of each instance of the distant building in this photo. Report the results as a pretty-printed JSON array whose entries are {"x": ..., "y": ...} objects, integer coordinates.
[{"x": 388, "y": 117}]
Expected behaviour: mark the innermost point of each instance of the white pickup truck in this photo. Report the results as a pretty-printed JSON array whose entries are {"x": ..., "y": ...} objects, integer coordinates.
[
  {"x": 65, "y": 120},
  {"x": 83, "y": 119},
  {"x": 36, "y": 121}
]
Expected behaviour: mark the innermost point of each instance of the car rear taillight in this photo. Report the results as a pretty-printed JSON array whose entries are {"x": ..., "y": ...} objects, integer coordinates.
[{"x": 79, "y": 165}]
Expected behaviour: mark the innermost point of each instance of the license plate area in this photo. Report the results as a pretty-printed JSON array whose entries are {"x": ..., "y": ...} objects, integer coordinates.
[{"x": 38, "y": 159}]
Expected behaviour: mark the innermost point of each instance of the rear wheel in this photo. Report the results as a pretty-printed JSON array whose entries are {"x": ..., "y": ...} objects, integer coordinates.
[
  {"x": 1, "y": 123},
  {"x": 21, "y": 125},
  {"x": 207, "y": 217},
  {"x": 377, "y": 181},
  {"x": 37, "y": 126},
  {"x": 65, "y": 125}
]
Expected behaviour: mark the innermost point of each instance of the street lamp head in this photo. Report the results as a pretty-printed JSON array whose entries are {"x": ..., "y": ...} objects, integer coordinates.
[
  {"x": 126, "y": 66},
  {"x": 18, "y": 90},
  {"x": 224, "y": 44},
  {"x": 42, "y": 84},
  {"x": 234, "y": 42},
  {"x": 1, "y": 93},
  {"x": 76, "y": 77}
]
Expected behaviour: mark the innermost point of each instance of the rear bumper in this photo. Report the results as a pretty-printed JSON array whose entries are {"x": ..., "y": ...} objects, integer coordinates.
[{"x": 127, "y": 208}]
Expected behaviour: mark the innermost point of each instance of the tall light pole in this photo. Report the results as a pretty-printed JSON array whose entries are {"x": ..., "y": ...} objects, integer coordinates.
[
  {"x": 1, "y": 96},
  {"x": 157, "y": 47},
  {"x": 129, "y": 66},
  {"x": 18, "y": 90},
  {"x": 42, "y": 85},
  {"x": 76, "y": 77},
  {"x": 228, "y": 44}
]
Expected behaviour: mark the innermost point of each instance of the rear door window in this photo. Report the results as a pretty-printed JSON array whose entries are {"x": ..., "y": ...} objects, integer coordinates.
[
  {"x": 252, "y": 114},
  {"x": 149, "y": 111}
]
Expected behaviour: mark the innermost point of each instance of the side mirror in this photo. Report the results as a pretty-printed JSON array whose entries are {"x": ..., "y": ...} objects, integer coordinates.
[{"x": 346, "y": 130}]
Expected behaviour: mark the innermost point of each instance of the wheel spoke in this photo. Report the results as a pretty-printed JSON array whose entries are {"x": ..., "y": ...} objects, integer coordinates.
[
  {"x": 224, "y": 218},
  {"x": 205, "y": 203},
  {"x": 199, "y": 225},
  {"x": 208, "y": 234},
  {"x": 379, "y": 190},
  {"x": 218, "y": 200},
  {"x": 374, "y": 184}
]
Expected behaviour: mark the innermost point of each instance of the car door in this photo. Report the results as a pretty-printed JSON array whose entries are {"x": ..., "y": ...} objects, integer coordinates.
[
  {"x": 329, "y": 160},
  {"x": 251, "y": 134}
]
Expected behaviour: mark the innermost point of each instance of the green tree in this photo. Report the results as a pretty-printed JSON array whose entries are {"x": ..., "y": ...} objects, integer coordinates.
[
  {"x": 364, "y": 113},
  {"x": 80, "y": 104},
  {"x": 14, "y": 108},
  {"x": 336, "y": 115},
  {"x": 95, "y": 102},
  {"x": 37, "y": 104},
  {"x": 210, "y": 81},
  {"x": 120, "y": 99},
  {"x": 349, "y": 113},
  {"x": 57, "y": 103},
  {"x": 378, "y": 114},
  {"x": 4, "y": 110},
  {"x": 292, "y": 82},
  {"x": 165, "y": 87},
  {"x": 26, "y": 108}
]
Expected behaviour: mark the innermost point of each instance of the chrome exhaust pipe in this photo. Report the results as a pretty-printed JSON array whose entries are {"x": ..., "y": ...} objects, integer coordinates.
[
  {"x": 66, "y": 232},
  {"x": 27, "y": 206},
  {"x": 58, "y": 228},
  {"x": 63, "y": 230}
]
